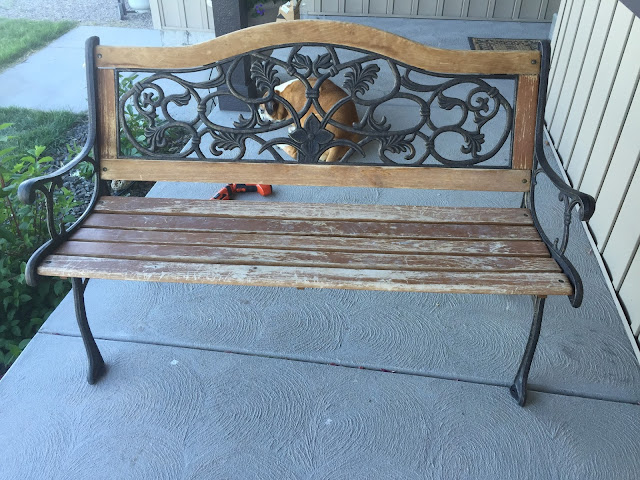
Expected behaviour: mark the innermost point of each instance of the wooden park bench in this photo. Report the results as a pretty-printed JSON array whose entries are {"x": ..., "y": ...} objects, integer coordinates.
[{"x": 428, "y": 119}]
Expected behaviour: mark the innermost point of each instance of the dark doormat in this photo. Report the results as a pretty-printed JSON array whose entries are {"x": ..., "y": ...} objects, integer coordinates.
[{"x": 503, "y": 44}]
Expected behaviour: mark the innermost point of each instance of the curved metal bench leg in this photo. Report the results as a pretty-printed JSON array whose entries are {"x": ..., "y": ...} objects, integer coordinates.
[
  {"x": 519, "y": 387},
  {"x": 96, "y": 362}
]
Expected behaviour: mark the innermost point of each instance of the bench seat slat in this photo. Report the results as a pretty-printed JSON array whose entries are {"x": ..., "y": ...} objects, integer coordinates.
[
  {"x": 518, "y": 248},
  {"x": 420, "y": 249},
  {"x": 315, "y": 211},
  {"x": 338, "y": 228},
  {"x": 309, "y": 277},
  {"x": 307, "y": 258}
]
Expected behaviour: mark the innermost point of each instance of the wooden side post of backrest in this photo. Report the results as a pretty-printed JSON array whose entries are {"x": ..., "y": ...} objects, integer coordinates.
[
  {"x": 107, "y": 137},
  {"x": 525, "y": 122}
]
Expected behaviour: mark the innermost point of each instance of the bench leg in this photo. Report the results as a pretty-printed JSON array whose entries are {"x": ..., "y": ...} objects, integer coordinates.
[
  {"x": 96, "y": 363},
  {"x": 519, "y": 388}
]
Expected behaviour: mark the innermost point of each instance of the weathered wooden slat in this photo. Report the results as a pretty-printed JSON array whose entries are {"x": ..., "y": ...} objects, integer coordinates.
[
  {"x": 313, "y": 31},
  {"x": 106, "y": 112},
  {"x": 308, "y": 277},
  {"x": 307, "y": 258},
  {"x": 339, "y": 244},
  {"x": 525, "y": 122},
  {"x": 434, "y": 178},
  {"x": 305, "y": 227},
  {"x": 314, "y": 211}
]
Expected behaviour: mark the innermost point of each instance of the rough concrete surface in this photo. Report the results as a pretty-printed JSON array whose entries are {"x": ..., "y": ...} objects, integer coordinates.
[
  {"x": 175, "y": 413},
  {"x": 232, "y": 382}
]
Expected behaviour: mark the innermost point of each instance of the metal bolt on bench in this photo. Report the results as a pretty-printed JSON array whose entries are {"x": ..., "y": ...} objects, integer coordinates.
[{"x": 427, "y": 119}]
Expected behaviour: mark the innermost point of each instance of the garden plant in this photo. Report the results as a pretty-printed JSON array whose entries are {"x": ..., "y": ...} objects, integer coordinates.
[{"x": 22, "y": 229}]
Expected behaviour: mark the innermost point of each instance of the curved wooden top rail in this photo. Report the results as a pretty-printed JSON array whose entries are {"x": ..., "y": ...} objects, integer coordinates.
[{"x": 320, "y": 31}]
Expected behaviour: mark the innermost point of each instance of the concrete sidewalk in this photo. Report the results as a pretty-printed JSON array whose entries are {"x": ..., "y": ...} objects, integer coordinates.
[
  {"x": 244, "y": 382},
  {"x": 54, "y": 78}
]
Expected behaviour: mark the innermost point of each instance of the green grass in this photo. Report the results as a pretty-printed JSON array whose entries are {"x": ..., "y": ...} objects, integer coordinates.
[
  {"x": 37, "y": 127},
  {"x": 19, "y": 37}
]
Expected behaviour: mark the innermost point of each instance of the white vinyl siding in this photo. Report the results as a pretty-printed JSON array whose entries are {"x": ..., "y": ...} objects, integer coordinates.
[
  {"x": 593, "y": 117},
  {"x": 523, "y": 10},
  {"x": 193, "y": 15}
]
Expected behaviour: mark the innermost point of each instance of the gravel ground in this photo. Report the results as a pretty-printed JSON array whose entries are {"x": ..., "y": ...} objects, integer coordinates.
[{"x": 88, "y": 12}]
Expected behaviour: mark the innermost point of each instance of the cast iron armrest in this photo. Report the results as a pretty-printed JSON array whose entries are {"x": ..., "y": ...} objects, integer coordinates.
[
  {"x": 571, "y": 197},
  {"x": 47, "y": 184},
  {"x": 586, "y": 203}
]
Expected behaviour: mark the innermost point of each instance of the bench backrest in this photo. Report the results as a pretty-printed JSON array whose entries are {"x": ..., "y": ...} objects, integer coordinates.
[{"x": 428, "y": 117}]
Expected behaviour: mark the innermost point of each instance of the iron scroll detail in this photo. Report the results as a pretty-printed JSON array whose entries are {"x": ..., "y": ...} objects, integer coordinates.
[
  {"x": 572, "y": 199},
  {"x": 413, "y": 117}
]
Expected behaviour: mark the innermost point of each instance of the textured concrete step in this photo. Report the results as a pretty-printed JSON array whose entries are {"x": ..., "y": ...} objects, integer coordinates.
[{"x": 167, "y": 413}]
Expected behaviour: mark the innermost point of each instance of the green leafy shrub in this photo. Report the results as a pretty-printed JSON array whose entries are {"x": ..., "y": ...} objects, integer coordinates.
[
  {"x": 85, "y": 169},
  {"x": 135, "y": 121},
  {"x": 142, "y": 129},
  {"x": 23, "y": 228}
]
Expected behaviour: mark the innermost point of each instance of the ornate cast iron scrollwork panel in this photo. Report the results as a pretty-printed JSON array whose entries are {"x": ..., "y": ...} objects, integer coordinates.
[{"x": 406, "y": 116}]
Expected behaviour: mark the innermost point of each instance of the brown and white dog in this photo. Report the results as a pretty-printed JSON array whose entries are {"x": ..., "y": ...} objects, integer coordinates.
[{"x": 294, "y": 92}]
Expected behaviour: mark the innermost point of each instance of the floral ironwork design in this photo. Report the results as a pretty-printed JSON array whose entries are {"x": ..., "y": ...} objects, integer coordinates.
[{"x": 437, "y": 117}]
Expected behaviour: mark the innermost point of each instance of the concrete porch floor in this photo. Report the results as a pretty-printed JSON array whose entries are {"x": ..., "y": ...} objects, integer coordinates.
[{"x": 230, "y": 382}]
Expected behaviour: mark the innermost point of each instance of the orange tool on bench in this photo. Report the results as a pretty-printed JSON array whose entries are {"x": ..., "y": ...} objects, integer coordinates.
[{"x": 230, "y": 189}]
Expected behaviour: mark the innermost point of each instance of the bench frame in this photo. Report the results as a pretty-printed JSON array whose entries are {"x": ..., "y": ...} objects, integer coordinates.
[{"x": 529, "y": 160}]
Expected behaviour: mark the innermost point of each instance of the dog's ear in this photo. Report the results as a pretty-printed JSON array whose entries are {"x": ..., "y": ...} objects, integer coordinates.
[
  {"x": 275, "y": 110},
  {"x": 270, "y": 107},
  {"x": 280, "y": 111}
]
